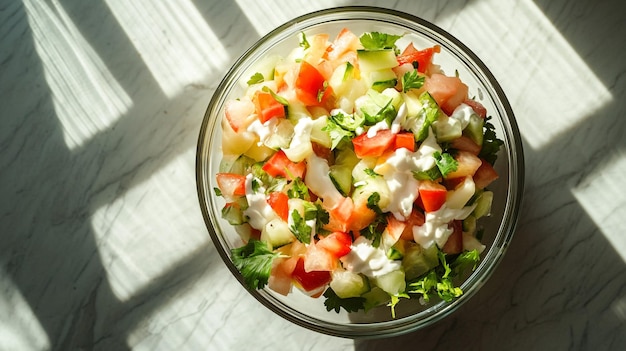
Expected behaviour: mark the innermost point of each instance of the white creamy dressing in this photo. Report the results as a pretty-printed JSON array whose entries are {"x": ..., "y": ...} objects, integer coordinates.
[
  {"x": 318, "y": 180},
  {"x": 368, "y": 260},
  {"x": 435, "y": 229},
  {"x": 300, "y": 145},
  {"x": 263, "y": 130},
  {"x": 396, "y": 124},
  {"x": 463, "y": 114},
  {"x": 259, "y": 211},
  {"x": 398, "y": 173}
]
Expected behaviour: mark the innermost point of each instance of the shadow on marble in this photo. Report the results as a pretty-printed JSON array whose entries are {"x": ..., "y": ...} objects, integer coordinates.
[{"x": 49, "y": 250}]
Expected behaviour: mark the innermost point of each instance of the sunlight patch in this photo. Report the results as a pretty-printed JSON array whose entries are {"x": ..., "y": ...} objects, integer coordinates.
[
  {"x": 172, "y": 38},
  {"x": 87, "y": 98},
  {"x": 600, "y": 196}
]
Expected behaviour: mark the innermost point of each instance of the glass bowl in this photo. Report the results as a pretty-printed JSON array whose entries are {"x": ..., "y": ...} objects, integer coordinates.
[{"x": 454, "y": 56}]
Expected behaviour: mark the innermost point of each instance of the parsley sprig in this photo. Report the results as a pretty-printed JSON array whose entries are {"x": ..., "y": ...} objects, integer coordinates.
[
  {"x": 254, "y": 261},
  {"x": 378, "y": 41}
]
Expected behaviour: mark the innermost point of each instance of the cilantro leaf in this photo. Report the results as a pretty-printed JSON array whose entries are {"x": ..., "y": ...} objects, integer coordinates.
[
  {"x": 217, "y": 191},
  {"x": 348, "y": 121},
  {"x": 256, "y": 78},
  {"x": 412, "y": 80},
  {"x": 254, "y": 261},
  {"x": 375, "y": 229},
  {"x": 334, "y": 302},
  {"x": 491, "y": 143},
  {"x": 378, "y": 41},
  {"x": 337, "y": 134},
  {"x": 464, "y": 261},
  {"x": 304, "y": 43},
  {"x": 322, "y": 217},
  {"x": 394, "y": 301},
  {"x": 300, "y": 228},
  {"x": 298, "y": 190},
  {"x": 277, "y": 97},
  {"x": 431, "y": 174},
  {"x": 445, "y": 163}
]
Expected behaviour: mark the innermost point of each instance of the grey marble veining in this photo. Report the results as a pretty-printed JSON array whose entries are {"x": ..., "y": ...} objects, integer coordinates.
[{"x": 102, "y": 244}]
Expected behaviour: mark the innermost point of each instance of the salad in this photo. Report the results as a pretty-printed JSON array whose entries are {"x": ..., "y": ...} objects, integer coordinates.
[{"x": 357, "y": 171}]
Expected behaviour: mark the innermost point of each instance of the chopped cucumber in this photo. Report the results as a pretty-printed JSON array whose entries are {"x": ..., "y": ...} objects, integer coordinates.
[
  {"x": 233, "y": 212},
  {"x": 348, "y": 284},
  {"x": 281, "y": 135},
  {"x": 447, "y": 129},
  {"x": 277, "y": 233},
  {"x": 318, "y": 135},
  {"x": 380, "y": 80},
  {"x": 392, "y": 283},
  {"x": 483, "y": 204},
  {"x": 418, "y": 260},
  {"x": 372, "y": 60},
  {"x": 474, "y": 129},
  {"x": 341, "y": 176},
  {"x": 469, "y": 225}
]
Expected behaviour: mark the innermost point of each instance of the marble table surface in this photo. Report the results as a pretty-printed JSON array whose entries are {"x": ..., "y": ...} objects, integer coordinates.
[{"x": 102, "y": 243}]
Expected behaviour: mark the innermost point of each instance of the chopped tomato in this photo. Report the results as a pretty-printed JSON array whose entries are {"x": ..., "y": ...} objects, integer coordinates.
[
  {"x": 395, "y": 228},
  {"x": 467, "y": 164},
  {"x": 340, "y": 215},
  {"x": 280, "y": 276},
  {"x": 238, "y": 113},
  {"x": 345, "y": 42},
  {"x": 362, "y": 215},
  {"x": 416, "y": 218},
  {"x": 280, "y": 165},
  {"x": 449, "y": 92},
  {"x": 423, "y": 57},
  {"x": 375, "y": 146},
  {"x": 231, "y": 184},
  {"x": 267, "y": 107},
  {"x": 279, "y": 202},
  {"x": 485, "y": 175},
  {"x": 454, "y": 245},
  {"x": 309, "y": 281},
  {"x": 432, "y": 195},
  {"x": 319, "y": 259},
  {"x": 465, "y": 143},
  {"x": 405, "y": 140},
  {"x": 311, "y": 89},
  {"x": 336, "y": 243},
  {"x": 480, "y": 110}
]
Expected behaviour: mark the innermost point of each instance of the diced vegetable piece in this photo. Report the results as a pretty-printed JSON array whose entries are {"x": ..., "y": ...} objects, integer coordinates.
[
  {"x": 336, "y": 243},
  {"x": 392, "y": 282},
  {"x": 309, "y": 281},
  {"x": 310, "y": 86},
  {"x": 277, "y": 233},
  {"x": 375, "y": 146},
  {"x": 419, "y": 58},
  {"x": 483, "y": 204},
  {"x": 373, "y": 60},
  {"x": 348, "y": 284},
  {"x": 462, "y": 193},
  {"x": 239, "y": 113},
  {"x": 485, "y": 175},
  {"x": 468, "y": 163},
  {"x": 279, "y": 202},
  {"x": 417, "y": 260},
  {"x": 405, "y": 140},
  {"x": 432, "y": 195},
  {"x": 449, "y": 92},
  {"x": 231, "y": 184},
  {"x": 280, "y": 166},
  {"x": 267, "y": 107}
]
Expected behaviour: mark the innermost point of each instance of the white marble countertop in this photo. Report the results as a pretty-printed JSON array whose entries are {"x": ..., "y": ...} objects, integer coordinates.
[{"x": 102, "y": 243}]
